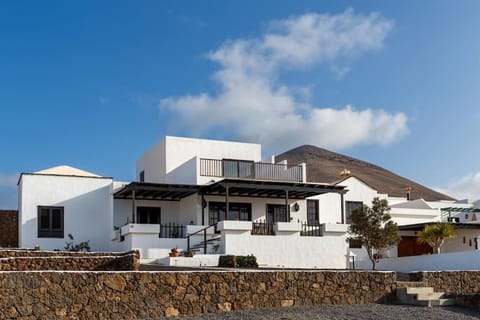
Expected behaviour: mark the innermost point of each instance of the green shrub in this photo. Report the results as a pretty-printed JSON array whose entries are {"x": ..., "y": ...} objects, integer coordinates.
[{"x": 249, "y": 261}]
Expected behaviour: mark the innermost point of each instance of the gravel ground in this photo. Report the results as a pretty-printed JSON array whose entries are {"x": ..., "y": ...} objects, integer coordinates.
[{"x": 362, "y": 312}]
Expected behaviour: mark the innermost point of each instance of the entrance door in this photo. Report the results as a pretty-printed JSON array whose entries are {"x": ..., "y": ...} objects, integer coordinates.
[
  {"x": 409, "y": 246},
  {"x": 149, "y": 215},
  {"x": 276, "y": 213}
]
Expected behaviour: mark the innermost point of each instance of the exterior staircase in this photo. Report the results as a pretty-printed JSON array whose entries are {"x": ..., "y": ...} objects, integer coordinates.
[
  {"x": 210, "y": 244},
  {"x": 416, "y": 293}
]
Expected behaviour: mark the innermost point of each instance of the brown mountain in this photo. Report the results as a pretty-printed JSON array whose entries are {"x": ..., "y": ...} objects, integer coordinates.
[{"x": 325, "y": 166}]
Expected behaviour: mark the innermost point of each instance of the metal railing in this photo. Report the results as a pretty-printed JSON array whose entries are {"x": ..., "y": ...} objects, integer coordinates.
[
  {"x": 262, "y": 228},
  {"x": 171, "y": 230},
  {"x": 311, "y": 230},
  {"x": 250, "y": 170},
  {"x": 205, "y": 241}
]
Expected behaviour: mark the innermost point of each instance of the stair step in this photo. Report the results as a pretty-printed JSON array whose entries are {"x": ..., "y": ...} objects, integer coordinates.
[
  {"x": 429, "y": 296},
  {"x": 422, "y": 296},
  {"x": 410, "y": 284},
  {"x": 418, "y": 290},
  {"x": 436, "y": 302}
]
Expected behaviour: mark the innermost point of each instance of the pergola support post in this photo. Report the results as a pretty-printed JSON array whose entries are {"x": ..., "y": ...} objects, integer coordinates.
[
  {"x": 134, "y": 207},
  {"x": 203, "y": 210},
  {"x": 287, "y": 207},
  {"x": 342, "y": 206}
]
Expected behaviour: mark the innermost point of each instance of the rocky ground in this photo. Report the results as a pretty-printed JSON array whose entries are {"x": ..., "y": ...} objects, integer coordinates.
[{"x": 367, "y": 311}]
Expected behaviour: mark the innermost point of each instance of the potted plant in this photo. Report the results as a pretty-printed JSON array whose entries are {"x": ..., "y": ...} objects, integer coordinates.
[
  {"x": 189, "y": 254},
  {"x": 173, "y": 252}
]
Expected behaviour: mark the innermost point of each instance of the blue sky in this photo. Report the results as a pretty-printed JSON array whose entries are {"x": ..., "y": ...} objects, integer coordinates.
[{"x": 94, "y": 84}]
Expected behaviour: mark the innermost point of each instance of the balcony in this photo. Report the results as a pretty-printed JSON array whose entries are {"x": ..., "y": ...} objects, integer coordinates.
[{"x": 243, "y": 169}]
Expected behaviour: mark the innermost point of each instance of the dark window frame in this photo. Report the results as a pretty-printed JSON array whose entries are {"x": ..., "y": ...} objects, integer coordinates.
[
  {"x": 50, "y": 231},
  {"x": 235, "y": 168},
  {"x": 141, "y": 176},
  {"x": 216, "y": 211},
  {"x": 351, "y": 206},
  {"x": 315, "y": 213},
  {"x": 355, "y": 243},
  {"x": 149, "y": 211},
  {"x": 275, "y": 212}
]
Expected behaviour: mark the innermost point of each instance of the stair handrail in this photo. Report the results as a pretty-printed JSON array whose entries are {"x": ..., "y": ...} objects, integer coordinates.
[{"x": 204, "y": 230}]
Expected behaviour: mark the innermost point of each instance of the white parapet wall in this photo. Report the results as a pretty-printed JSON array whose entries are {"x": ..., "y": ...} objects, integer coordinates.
[
  {"x": 145, "y": 238},
  {"x": 466, "y": 260},
  {"x": 287, "y": 248}
]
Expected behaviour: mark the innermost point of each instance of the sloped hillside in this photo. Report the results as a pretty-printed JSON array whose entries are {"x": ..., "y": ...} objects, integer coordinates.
[{"x": 325, "y": 166}]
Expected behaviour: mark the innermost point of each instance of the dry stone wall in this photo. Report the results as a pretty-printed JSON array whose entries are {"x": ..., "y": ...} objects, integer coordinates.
[
  {"x": 463, "y": 285},
  {"x": 31, "y": 260},
  {"x": 8, "y": 228},
  {"x": 141, "y": 295},
  {"x": 450, "y": 282}
]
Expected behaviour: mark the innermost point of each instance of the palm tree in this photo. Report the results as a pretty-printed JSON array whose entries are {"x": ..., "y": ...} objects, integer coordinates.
[{"x": 436, "y": 234}]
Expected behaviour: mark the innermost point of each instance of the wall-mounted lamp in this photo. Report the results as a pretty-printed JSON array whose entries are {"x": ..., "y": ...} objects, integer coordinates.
[{"x": 296, "y": 206}]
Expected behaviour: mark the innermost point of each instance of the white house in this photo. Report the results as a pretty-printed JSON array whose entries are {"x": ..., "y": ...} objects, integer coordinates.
[
  {"x": 184, "y": 187},
  {"x": 179, "y": 199}
]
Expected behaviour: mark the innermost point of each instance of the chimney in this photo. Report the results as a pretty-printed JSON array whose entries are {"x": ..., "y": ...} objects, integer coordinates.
[
  {"x": 409, "y": 190},
  {"x": 345, "y": 173}
]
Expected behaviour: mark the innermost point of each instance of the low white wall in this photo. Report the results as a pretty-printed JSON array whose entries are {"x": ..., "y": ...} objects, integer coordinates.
[
  {"x": 144, "y": 237},
  {"x": 287, "y": 249},
  {"x": 467, "y": 260}
]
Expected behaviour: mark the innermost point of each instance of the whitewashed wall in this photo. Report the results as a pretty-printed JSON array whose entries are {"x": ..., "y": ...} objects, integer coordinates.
[
  {"x": 457, "y": 244},
  {"x": 153, "y": 164},
  {"x": 330, "y": 210},
  {"x": 359, "y": 191},
  {"x": 167, "y": 160},
  {"x": 467, "y": 260},
  {"x": 88, "y": 209},
  {"x": 287, "y": 249},
  {"x": 405, "y": 216}
]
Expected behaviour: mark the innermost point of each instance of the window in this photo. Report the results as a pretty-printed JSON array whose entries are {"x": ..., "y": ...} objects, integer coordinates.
[
  {"x": 142, "y": 176},
  {"x": 351, "y": 206},
  {"x": 277, "y": 213},
  {"x": 148, "y": 215},
  {"x": 238, "y": 211},
  {"x": 238, "y": 168},
  {"x": 312, "y": 212},
  {"x": 50, "y": 222},
  {"x": 355, "y": 243}
]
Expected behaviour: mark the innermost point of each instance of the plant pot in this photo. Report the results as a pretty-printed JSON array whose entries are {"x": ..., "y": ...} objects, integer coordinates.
[
  {"x": 189, "y": 254},
  {"x": 173, "y": 254}
]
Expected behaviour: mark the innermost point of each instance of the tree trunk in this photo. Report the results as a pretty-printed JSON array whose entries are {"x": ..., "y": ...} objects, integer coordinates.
[{"x": 372, "y": 258}]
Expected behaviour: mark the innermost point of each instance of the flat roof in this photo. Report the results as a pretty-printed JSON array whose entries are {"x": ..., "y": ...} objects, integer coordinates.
[{"x": 421, "y": 226}]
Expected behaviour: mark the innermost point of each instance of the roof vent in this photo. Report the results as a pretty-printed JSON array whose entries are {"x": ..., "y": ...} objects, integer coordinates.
[{"x": 345, "y": 173}]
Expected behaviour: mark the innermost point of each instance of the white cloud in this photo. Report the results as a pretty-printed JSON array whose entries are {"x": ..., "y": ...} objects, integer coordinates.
[
  {"x": 467, "y": 187},
  {"x": 339, "y": 72},
  {"x": 253, "y": 106}
]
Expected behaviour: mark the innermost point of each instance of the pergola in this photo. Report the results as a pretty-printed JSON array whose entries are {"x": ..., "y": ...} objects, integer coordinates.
[
  {"x": 227, "y": 188},
  {"x": 450, "y": 210}
]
